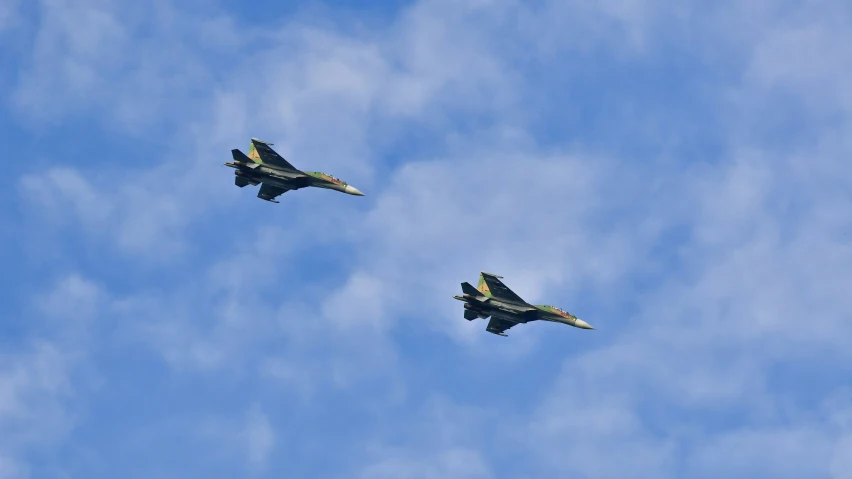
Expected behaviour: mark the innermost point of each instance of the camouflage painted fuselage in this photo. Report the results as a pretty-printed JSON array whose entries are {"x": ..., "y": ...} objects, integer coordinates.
[
  {"x": 506, "y": 309},
  {"x": 286, "y": 179},
  {"x": 264, "y": 166}
]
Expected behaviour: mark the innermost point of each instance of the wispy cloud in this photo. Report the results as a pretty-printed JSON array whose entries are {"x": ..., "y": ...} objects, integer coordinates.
[
  {"x": 715, "y": 279},
  {"x": 454, "y": 462},
  {"x": 45, "y": 373},
  {"x": 260, "y": 438},
  {"x": 9, "y": 14},
  {"x": 443, "y": 442},
  {"x": 109, "y": 57}
]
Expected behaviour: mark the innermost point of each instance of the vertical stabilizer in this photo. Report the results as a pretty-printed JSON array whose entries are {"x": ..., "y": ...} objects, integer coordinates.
[
  {"x": 253, "y": 154},
  {"x": 482, "y": 286}
]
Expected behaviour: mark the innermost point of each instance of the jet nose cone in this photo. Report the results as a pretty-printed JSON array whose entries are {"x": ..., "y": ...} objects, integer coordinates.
[
  {"x": 353, "y": 191},
  {"x": 582, "y": 324}
]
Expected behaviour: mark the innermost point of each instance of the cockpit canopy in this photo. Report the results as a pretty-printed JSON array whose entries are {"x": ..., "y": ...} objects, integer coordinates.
[
  {"x": 326, "y": 176},
  {"x": 558, "y": 310}
]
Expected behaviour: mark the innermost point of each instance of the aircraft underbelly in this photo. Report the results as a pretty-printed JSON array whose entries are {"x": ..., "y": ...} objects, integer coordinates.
[
  {"x": 509, "y": 307},
  {"x": 515, "y": 318},
  {"x": 557, "y": 319},
  {"x": 507, "y": 314},
  {"x": 277, "y": 173},
  {"x": 276, "y": 181},
  {"x": 328, "y": 186}
]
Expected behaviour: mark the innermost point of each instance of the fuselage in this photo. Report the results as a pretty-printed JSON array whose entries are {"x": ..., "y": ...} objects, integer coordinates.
[
  {"x": 288, "y": 179},
  {"x": 519, "y": 312}
]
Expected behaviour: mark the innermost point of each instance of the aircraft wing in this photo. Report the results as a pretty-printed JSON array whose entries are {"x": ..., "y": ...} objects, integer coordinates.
[
  {"x": 500, "y": 290},
  {"x": 270, "y": 157},
  {"x": 498, "y": 326},
  {"x": 268, "y": 192}
]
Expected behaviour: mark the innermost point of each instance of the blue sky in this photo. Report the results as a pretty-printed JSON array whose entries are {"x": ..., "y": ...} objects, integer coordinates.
[{"x": 677, "y": 177}]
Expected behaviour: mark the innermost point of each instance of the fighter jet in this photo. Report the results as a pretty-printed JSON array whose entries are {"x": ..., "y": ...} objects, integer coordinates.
[
  {"x": 493, "y": 298},
  {"x": 276, "y": 175}
]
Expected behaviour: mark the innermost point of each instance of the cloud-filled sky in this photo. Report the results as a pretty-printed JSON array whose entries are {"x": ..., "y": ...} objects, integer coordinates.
[{"x": 677, "y": 176}]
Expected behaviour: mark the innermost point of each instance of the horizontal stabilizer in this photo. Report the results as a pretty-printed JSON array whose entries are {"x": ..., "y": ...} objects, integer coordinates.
[
  {"x": 241, "y": 157},
  {"x": 468, "y": 288}
]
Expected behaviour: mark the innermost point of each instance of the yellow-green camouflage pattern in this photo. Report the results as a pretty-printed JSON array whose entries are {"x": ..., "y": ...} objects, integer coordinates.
[
  {"x": 253, "y": 154},
  {"x": 326, "y": 177},
  {"x": 555, "y": 310},
  {"x": 482, "y": 286}
]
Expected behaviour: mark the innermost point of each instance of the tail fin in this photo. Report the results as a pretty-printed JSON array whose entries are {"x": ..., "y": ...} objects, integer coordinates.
[
  {"x": 253, "y": 154},
  {"x": 482, "y": 286}
]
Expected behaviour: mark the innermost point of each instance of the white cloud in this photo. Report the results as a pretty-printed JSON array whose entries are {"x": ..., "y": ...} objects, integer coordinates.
[
  {"x": 141, "y": 215},
  {"x": 358, "y": 305},
  {"x": 461, "y": 463},
  {"x": 92, "y": 42},
  {"x": 35, "y": 387},
  {"x": 46, "y": 372},
  {"x": 296, "y": 377},
  {"x": 535, "y": 218},
  {"x": 758, "y": 282},
  {"x": 841, "y": 459},
  {"x": 9, "y": 13},
  {"x": 441, "y": 443},
  {"x": 772, "y": 453},
  {"x": 74, "y": 297},
  {"x": 108, "y": 57},
  {"x": 248, "y": 438},
  {"x": 171, "y": 324},
  {"x": 26, "y": 376},
  {"x": 759, "y": 292},
  {"x": 63, "y": 193},
  {"x": 11, "y": 469},
  {"x": 260, "y": 438},
  {"x": 319, "y": 86},
  {"x": 589, "y": 426},
  {"x": 804, "y": 54},
  {"x": 308, "y": 82}
]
